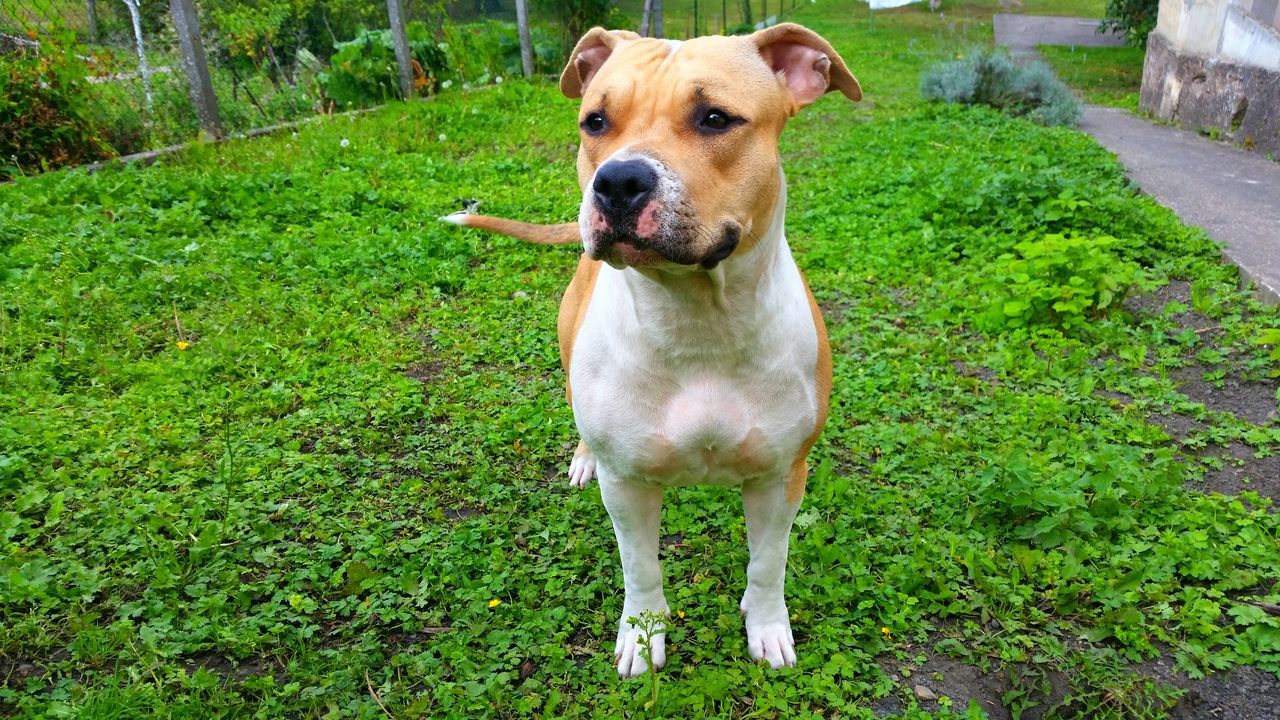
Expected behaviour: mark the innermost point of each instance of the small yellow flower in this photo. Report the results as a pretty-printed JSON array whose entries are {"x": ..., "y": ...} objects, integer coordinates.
[
  {"x": 885, "y": 631},
  {"x": 680, "y": 614},
  {"x": 183, "y": 344},
  {"x": 494, "y": 603}
]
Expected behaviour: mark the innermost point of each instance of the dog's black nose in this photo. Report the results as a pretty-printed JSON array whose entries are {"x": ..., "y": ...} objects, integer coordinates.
[{"x": 622, "y": 187}]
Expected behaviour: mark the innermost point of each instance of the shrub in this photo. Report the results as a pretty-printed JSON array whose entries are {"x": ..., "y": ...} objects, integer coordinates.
[
  {"x": 1059, "y": 280},
  {"x": 1135, "y": 18},
  {"x": 45, "y": 107},
  {"x": 479, "y": 51},
  {"x": 989, "y": 77},
  {"x": 363, "y": 71}
]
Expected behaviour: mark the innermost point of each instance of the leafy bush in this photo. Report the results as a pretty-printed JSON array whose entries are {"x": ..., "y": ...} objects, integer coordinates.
[
  {"x": 1135, "y": 18},
  {"x": 1060, "y": 280},
  {"x": 477, "y": 52},
  {"x": 363, "y": 71},
  {"x": 1047, "y": 495},
  {"x": 989, "y": 77},
  {"x": 45, "y": 109}
]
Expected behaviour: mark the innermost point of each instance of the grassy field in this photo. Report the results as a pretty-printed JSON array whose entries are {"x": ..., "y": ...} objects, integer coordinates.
[
  {"x": 1104, "y": 76},
  {"x": 275, "y": 443}
]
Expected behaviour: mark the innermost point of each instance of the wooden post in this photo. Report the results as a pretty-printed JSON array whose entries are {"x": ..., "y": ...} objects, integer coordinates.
[
  {"x": 196, "y": 66},
  {"x": 526, "y": 43},
  {"x": 644, "y": 18},
  {"x": 400, "y": 37},
  {"x": 92, "y": 7},
  {"x": 655, "y": 20}
]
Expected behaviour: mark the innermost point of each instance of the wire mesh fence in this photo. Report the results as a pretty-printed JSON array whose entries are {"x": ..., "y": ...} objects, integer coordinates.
[{"x": 87, "y": 79}]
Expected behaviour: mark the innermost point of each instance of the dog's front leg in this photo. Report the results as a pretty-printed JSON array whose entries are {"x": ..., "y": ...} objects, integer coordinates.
[
  {"x": 636, "y": 510},
  {"x": 769, "y": 517}
]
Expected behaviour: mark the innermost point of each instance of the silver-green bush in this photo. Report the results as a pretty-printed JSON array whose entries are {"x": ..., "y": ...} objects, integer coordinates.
[{"x": 989, "y": 77}]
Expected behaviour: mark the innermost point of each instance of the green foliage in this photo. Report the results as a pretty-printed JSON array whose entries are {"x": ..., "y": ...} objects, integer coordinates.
[
  {"x": 1270, "y": 337},
  {"x": 46, "y": 109},
  {"x": 575, "y": 17},
  {"x": 1059, "y": 280},
  {"x": 988, "y": 77},
  {"x": 364, "y": 72},
  {"x": 266, "y": 427},
  {"x": 1135, "y": 18},
  {"x": 479, "y": 52}
]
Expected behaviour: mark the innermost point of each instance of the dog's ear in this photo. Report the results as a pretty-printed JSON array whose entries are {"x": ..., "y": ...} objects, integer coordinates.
[
  {"x": 590, "y": 53},
  {"x": 807, "y": 63}
]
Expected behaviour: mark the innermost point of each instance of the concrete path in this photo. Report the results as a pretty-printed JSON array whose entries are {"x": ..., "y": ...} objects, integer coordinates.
[
  {"x": 1231, "y": 194},
  {"x": 1022, "y": 33}
]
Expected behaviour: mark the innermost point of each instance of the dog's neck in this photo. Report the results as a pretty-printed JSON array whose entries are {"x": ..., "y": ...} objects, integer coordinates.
[{"x": 733, "y": 283}]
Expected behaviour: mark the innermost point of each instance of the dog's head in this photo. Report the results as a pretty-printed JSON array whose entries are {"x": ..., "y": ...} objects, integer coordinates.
[{"x": 679, "y": 156}]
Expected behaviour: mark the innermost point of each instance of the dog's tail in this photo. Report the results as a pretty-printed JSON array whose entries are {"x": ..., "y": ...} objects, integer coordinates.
[{"x": 562, "y": 234}]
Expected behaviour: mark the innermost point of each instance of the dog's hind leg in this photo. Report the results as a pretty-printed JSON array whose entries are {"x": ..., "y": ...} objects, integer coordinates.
[
  {"x": 636, "y": 510},
  {"x": 769, "y": 517},
  {"x": 583, "y": 466}
]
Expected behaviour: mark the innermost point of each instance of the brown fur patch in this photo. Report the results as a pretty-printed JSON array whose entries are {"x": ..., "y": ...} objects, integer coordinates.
[
  {"x": 822, "y": 382},
  {"x": 573, "y": 310}
]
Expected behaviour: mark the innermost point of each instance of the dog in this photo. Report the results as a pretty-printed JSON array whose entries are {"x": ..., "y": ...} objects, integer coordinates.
[{"x": 692, "y": 347}]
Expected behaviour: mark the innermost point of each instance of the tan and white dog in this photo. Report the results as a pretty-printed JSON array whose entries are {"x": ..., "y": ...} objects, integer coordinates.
[{"x": 693, "y": 350}]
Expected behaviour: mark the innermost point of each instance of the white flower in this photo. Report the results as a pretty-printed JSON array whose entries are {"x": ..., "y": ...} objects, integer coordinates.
[
  {"x": 497, "y": 80},
  {"x": 442, "y": 137},
  {"x": 345, "y": 143},
  {"x": 446, "y": 84}
]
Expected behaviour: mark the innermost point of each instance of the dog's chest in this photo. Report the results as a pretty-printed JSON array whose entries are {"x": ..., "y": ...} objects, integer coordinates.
[{"x": 694, "y": 402}]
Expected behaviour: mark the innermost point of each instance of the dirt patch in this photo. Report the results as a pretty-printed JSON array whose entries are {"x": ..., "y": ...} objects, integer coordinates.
[
  {"x": 1242, "y": 470},
  {"x": 1178, "y": 427},
  {"x": 1179, "y": 291},
  {"x": 1248, "y": 399},
  {"x": 461, "y": 512},
  {"x": 424, "y": 372},
  {"x": 1254, "y": 402},
  {"x": 16, "y": 672},
  {"x": 236, "y": 671},
  {"x": 1244, "y": 693},
  {"x": 948, "y": 678}
]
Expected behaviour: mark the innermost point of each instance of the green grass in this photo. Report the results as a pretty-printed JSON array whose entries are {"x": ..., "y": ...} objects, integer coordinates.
[
  {"x": 271, "y": 437},
  {"x": 1105, "y": 76}
]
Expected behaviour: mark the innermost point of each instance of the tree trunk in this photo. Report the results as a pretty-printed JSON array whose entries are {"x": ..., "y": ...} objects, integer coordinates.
[
  {"x": 746, "y": 12},
  {"x": 92, "y": 16},
  {"x": 526, "y": 42},
  {"x": 143, "y": 68},
  {"x": 400, "y": 38},
  {"x": 196, "y": 66},
  {"x": 655, "y": 19},
  {"x": 644, "y": 18}
]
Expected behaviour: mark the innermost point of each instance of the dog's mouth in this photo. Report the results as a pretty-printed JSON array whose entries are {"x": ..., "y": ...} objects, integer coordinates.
[{"x": 684, "y": 246}]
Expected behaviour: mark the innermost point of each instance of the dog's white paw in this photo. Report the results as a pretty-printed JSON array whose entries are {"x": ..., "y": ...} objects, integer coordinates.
[
  {"x": 772, "y": 643},
  {"x": 583, "y": 466},
  {"x": 628, "y": 653}
]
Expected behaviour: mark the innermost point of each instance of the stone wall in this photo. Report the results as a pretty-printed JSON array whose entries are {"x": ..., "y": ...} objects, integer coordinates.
[{"x": 1214, "y": 66}]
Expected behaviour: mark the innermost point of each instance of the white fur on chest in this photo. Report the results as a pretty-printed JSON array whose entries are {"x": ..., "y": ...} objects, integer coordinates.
[{"x": 677, "y": 394}]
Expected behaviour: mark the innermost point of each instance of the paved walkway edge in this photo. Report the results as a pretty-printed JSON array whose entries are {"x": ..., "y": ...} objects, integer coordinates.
[{"x": 1231, "y": 194}]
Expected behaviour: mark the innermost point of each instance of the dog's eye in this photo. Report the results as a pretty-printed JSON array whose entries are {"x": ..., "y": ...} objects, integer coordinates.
[
  {"x": 715, "y": 119},
  {"x": 594, "y": 124}
]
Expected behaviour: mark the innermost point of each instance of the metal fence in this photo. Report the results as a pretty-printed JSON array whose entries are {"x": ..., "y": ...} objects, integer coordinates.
[{"x": 161, "y": 72}]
